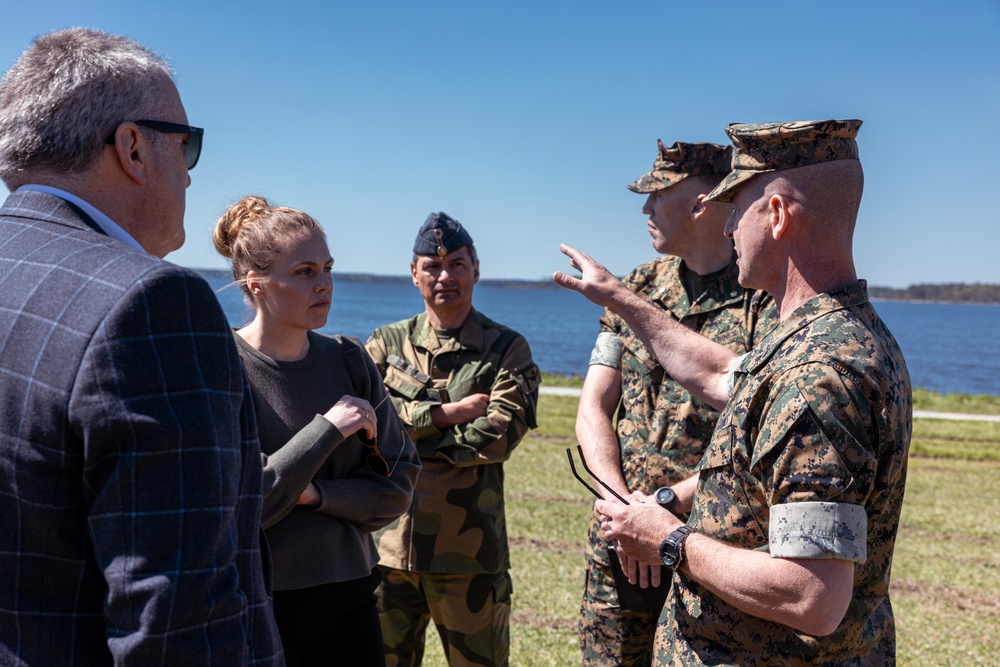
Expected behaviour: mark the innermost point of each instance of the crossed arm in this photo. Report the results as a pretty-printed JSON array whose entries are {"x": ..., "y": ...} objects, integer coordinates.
[{"x": 477, "y": 429}]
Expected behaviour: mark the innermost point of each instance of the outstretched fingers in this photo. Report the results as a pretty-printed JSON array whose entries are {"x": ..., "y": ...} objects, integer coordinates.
[{"x": 596, "y": 282}]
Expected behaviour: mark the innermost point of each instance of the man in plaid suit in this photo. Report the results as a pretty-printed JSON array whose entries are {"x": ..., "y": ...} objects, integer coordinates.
[{"x": 129, "y": 464}]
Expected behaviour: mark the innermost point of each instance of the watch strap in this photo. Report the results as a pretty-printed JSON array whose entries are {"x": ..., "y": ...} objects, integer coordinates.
[{"x": 673, "y": 545}]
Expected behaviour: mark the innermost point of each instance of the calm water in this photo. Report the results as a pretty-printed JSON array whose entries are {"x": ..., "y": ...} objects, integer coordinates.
[{"x": 948, "y": 347}]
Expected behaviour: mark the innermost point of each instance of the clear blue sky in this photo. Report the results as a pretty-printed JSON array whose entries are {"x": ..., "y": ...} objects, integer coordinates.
[{"x": 525, "y": 120}]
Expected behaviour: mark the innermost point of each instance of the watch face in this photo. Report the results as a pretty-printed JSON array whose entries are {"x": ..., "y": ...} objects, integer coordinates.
[
  {"x": 668, "y": 554},
  {"x": 670, "y": 548},
  {"x": 665, "y": 496}
]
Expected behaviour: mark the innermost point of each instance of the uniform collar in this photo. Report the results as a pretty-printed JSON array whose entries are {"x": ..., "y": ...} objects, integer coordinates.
[
  {"x": 673, "y": 297},
  {"x": 470, "y": 335},
  {"x": 815, "y": 308}
]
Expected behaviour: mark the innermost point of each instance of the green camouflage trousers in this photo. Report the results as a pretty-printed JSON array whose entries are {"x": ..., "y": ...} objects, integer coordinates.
[
  {"x": 610, "y": 636},
  {"x": 471, "y": 613}
]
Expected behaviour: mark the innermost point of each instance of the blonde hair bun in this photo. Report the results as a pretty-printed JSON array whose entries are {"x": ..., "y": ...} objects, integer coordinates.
[{"x": 246, "y": 212}]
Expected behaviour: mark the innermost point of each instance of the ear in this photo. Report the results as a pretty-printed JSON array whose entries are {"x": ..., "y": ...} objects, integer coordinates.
[
  {"x": 475, "y": 268},
  {"x": 778, "y": 217},
  {"x": 133, "y": 152},
  {"x": 413, "y": 273},
  {"x": 700, "y": 207},
  {"x": 255, "y": 284}
]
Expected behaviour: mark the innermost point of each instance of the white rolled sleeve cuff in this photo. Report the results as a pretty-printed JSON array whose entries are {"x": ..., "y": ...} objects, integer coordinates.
[
  {"x": 819, "y": 530},
  {"x": 607, "y": 351}
]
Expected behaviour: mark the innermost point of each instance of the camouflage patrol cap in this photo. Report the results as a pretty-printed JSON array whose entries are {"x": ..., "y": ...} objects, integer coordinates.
[
  {"x": 676, "y": 163},
  {"x": 765, "y": 147},
  {"x": 439, "y": 235}
]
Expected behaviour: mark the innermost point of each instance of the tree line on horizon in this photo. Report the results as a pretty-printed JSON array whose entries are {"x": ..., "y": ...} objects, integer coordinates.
[
  {"x": 950, "y": 292},
  {"x": 953, "y": 292}
]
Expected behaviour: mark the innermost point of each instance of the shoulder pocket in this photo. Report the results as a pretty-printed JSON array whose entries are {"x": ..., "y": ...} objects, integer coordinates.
[{"x": 403, "y": 384}]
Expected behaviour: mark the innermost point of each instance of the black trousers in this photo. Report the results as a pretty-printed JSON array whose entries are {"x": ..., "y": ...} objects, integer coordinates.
[{"x": 331, "y": 624}]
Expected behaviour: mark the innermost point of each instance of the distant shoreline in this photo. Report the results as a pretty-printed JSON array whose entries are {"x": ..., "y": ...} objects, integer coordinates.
[
  {"x": 513, "y": 283},
  {"x": 985, "y": 295}
]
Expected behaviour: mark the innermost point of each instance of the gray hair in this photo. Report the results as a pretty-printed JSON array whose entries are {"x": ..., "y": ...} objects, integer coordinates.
[{"x": 65, "y": 96}]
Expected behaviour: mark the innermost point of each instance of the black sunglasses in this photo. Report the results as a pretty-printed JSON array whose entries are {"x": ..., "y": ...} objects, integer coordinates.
[
  {"x": 600, "y": 481},
  {"x": 192, "y": 145}
]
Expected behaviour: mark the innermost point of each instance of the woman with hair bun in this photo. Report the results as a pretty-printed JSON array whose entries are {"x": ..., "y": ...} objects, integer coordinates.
[{"x": 338, "y": 464}]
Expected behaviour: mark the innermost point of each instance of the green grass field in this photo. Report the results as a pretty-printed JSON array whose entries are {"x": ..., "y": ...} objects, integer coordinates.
[{"x": 946, "y": 571}]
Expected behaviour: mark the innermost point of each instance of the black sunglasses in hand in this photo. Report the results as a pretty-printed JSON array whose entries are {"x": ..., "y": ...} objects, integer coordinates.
[
  {"x": 192, "y": 145},
  {"x": 375, "y": 460},
  {"x": 583, "y": 460}
]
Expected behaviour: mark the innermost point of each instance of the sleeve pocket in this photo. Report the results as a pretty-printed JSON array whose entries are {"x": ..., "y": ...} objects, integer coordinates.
[{"x": 403, "y": 384}]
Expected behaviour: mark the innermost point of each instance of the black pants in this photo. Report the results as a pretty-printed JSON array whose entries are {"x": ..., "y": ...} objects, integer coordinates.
[{"x": 332, "y": 624}]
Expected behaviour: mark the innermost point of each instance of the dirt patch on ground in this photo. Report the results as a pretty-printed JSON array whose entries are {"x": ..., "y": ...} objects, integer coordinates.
[
  {"x": 551, "y": 436},
  {"x": 984, "y": 604},
  {"x": 553, "y": 500},
  {"x": 917, "y": 533},
  {"x": 536, "y": 620},
  {"x": 531, "y": 544}
]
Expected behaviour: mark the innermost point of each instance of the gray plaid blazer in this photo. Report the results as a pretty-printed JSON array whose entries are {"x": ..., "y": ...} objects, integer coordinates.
[{"x": 130, "y": 470}]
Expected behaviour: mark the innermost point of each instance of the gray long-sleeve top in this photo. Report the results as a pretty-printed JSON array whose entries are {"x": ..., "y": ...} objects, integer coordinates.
[{"x": 331, "y": 542}]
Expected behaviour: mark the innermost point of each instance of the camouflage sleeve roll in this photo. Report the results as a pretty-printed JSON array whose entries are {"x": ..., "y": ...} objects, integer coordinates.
[
  {"x": 607, "y": 351},
  {"x": 819, "y": 530}
]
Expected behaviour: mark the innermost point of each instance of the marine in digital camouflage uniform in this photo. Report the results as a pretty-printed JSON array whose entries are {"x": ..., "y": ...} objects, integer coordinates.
[
  {"x": 786, "y": 555},
  {"x": 809, "y": 461},
  {"x": 662, "y": 430},
  {"x": 446, "y": 559}
]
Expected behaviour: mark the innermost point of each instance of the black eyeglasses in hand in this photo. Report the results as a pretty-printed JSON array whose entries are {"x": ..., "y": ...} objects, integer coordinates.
[{"x": 600, "y": 481}]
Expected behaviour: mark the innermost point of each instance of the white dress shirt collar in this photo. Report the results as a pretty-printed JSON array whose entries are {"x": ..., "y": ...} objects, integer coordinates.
[{"x": 103, "y": 221}]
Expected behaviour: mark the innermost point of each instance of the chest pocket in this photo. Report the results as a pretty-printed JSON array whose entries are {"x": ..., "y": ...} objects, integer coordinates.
[
  {"x": 719, "y": 453},
  {"x": 728, "y": 488}
]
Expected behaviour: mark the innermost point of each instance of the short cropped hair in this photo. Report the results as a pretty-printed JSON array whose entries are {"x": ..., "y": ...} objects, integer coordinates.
[{"x": 65, "y": 96}]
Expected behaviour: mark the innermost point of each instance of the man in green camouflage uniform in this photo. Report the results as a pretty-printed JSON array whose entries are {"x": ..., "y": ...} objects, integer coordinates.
[
  {"x": 466, "y": 389},
  {"x": 662, "y": 430},
  {"x": 786, "y": 556}
]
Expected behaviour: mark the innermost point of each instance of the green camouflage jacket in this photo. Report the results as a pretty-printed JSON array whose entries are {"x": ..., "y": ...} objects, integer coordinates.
[
  {"x": 662, "y": 429},
  {"x": 821, "y": 414},
  {"x": 456, "y": 522}
]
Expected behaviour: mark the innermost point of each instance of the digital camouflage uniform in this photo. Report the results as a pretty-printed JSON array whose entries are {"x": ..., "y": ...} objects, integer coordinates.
[
  {"x": 808, "y": 461},
  {"x": 447, "y": 556},
  {"x": 662, "y": 433},
  {"x": 809, "y": 456}
]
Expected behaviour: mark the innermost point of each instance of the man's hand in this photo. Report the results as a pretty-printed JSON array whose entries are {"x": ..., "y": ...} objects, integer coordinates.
[
  {"x": 596, "y": 283},
  {"x": 638, "y": 528},
  {"x": 468, "y": 409},
  {"x": 644, "y": 574}
]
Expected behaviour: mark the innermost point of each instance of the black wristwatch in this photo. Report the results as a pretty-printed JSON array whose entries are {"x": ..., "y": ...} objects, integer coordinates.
[
  {"x": 665, "y": 498},
  {"x": 672, "y": 547}
]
